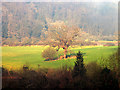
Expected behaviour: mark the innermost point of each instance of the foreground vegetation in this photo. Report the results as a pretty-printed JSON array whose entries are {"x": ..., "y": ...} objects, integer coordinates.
[
  {"x": 93, "y": 76},
  {"x": 13, "y": 58}
]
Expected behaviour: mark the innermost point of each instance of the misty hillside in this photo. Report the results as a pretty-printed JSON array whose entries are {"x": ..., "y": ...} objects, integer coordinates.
[{"x": 24, "y": 22}]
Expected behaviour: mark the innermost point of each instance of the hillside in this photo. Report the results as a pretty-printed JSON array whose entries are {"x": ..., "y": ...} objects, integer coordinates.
[{"x": 27, "y": 22}]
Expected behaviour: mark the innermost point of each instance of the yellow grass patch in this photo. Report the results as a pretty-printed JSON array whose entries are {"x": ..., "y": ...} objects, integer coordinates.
[{"x": 10, "y": 54}]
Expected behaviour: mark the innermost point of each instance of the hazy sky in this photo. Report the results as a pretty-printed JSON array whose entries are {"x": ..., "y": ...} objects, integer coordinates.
[{"x": 115, "y": 1}]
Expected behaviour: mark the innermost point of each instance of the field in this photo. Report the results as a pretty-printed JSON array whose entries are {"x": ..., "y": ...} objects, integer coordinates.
[{"x": 15, "y": 57}]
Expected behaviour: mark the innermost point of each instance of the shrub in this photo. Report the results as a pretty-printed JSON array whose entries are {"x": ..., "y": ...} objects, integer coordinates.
[
  {"x": 111, "y": 62},
  {"x": 93, "y": 69},
  {"x": 108, "y": 79},
  {"x": 49, "y": 53}
]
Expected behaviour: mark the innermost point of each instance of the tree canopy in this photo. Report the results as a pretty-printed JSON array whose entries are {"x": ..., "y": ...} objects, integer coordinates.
[{"x": 61, "y": 35}]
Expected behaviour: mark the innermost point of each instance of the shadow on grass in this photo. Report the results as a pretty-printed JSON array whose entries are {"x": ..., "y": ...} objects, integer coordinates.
[
  {"x": 67, "y": 56},
  {"x": 50, "y": 59},
  {"x": 74, "y": 54}
]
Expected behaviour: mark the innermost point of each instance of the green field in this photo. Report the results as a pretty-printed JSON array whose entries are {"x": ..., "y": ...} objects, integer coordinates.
[{"x": 16, "y": 57}]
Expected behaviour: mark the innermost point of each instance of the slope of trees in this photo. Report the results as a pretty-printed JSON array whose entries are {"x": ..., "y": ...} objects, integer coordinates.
[{"x": 27, "y": 20}]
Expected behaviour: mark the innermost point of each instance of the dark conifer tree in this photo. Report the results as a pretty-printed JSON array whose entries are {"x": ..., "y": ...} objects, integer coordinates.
[{"x": 79, "y": 68}]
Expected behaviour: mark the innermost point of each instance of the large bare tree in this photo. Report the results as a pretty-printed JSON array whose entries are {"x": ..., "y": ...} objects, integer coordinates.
[{"x": 61, "y": 35}]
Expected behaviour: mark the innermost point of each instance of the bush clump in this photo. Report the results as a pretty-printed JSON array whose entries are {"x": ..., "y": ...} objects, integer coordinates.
[{"x": 49, "y": 53}]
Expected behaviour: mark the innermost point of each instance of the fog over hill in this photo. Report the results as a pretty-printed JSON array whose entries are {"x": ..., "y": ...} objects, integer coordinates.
[{"x": 25, "y": 21}]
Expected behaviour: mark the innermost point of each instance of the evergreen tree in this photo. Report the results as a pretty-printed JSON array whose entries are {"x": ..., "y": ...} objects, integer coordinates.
[{"x": 79, "y": 68}]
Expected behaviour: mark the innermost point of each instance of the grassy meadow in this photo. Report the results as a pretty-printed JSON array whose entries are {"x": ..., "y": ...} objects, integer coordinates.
[{"x": 14, "y": 57}]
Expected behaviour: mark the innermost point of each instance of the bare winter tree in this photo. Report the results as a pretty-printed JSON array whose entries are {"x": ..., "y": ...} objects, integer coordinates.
[{"x": 61, "y": 35}]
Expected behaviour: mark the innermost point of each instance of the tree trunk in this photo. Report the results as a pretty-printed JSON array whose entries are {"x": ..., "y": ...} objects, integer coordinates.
[{"x": 65, "y": 52}]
